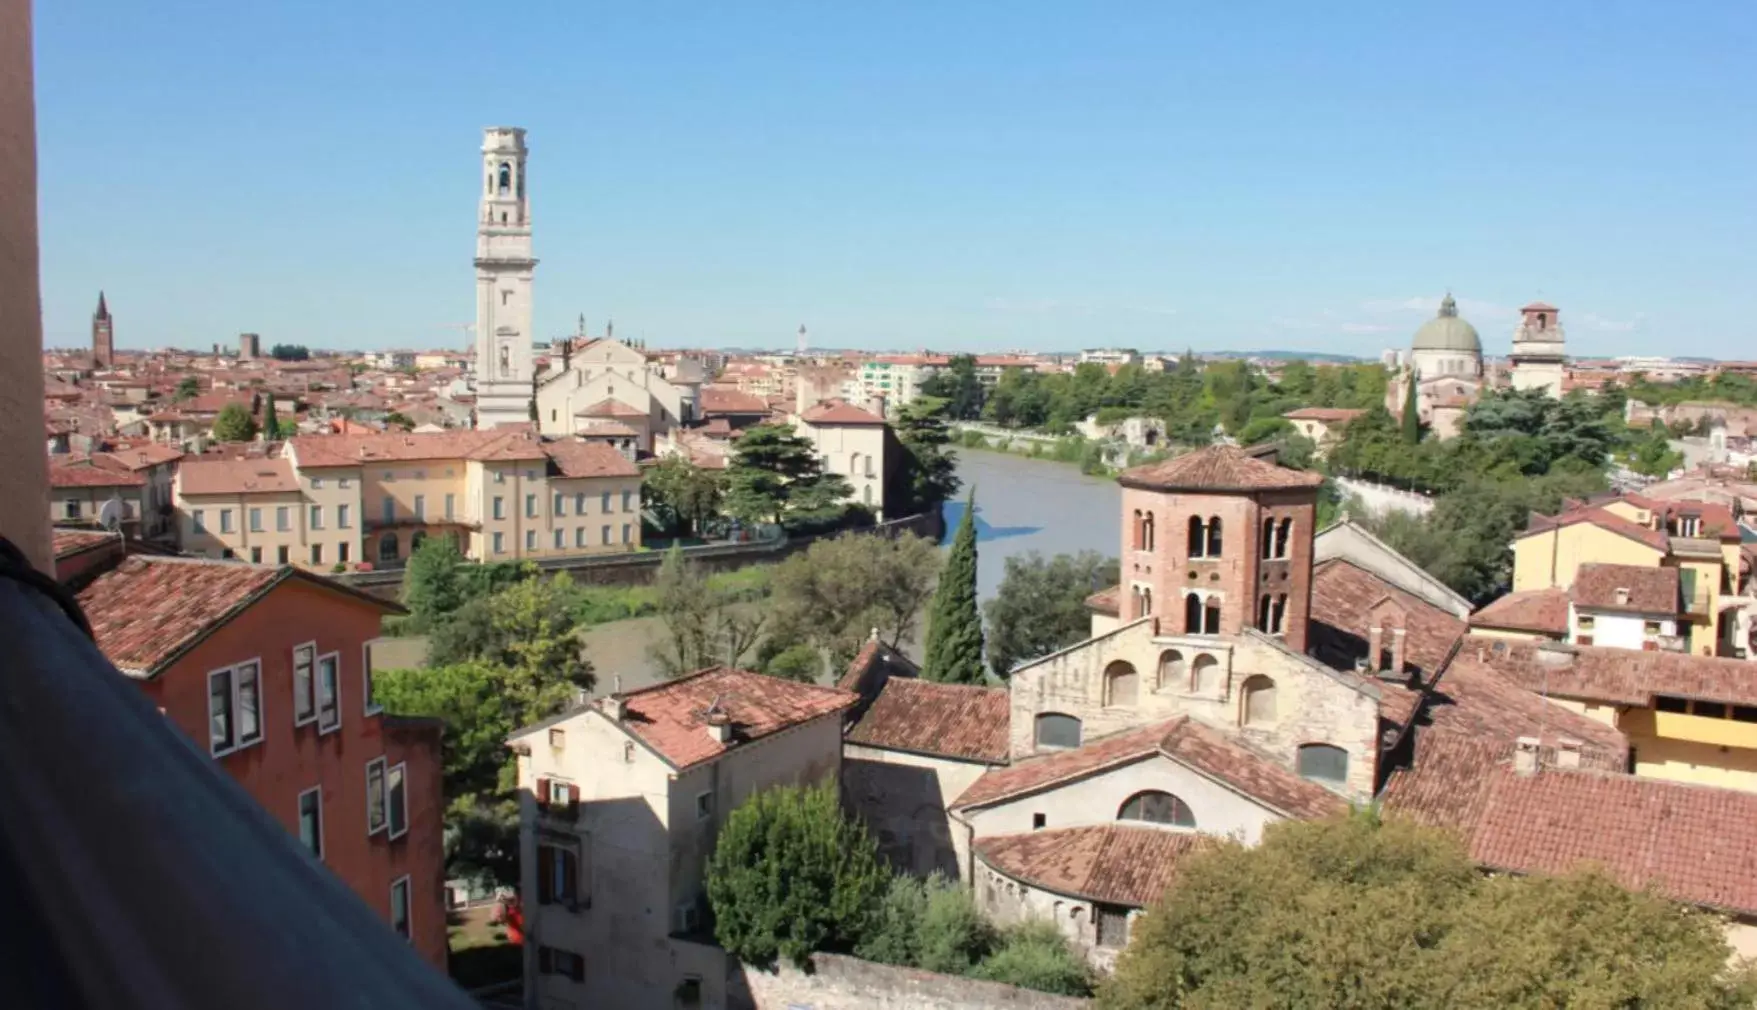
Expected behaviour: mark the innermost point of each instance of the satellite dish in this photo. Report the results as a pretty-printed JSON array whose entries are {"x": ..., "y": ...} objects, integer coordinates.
[{"x": 111, "y": 514}]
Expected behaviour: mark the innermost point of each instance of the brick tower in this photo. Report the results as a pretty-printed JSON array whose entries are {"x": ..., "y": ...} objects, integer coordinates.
[
  {"x": 1216, "y": 541},
  {"x": 103, "y": 335}
]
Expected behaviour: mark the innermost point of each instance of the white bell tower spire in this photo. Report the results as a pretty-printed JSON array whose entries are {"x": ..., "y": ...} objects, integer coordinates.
[{"x": 505, "y": 269}]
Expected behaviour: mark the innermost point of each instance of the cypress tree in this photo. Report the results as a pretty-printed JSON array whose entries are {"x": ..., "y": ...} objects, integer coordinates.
[
  {"x": 271, "y": 428},
  {"x": 954, "y": 629},
  {"x": 1411, "y": 416}
]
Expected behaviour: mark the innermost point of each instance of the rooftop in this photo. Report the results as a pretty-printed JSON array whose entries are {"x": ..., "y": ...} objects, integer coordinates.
[
  {"x": 947, "y": 720},
  {"x": 389, "y": 447},
  {"x": 69, "y": 542},
  {"x": 234, "y": 476},
  {"x": 671, "y": 718},
  {"x": 1329, "y": 415},
  {"x": 720, "y": 400},
  {"x": 82, "y": 471},
  {"x": 1218, "y": 468},
  {"x": 589, "y": 459},
  {"x": 1539, "y": 610},
  {"x": 610, "y": 407},
  {"x": 1635, "y": 589},
  {"x": 1111, "y": 863},
  {"x": 1618, "y": 676},
  {"x": 839, "y": 412}
]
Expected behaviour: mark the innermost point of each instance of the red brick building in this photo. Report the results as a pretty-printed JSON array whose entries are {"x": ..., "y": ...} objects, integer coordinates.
[{"x": 265, "y": 668}]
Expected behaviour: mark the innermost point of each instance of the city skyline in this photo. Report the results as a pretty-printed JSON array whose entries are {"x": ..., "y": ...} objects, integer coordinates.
[{"x": 922, "y": 180}]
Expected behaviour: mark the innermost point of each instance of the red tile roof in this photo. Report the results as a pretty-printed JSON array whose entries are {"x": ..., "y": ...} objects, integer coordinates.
[
  {"x": 147, "y": 611},
  {"x": 720, "y": 400},
  {"x": 81, "y": 471},
  {"x": 609, "y": 407},
  {"x": 671, "y": 717},
  {"x": 948, "y": 720},
  {"x": 493, "y": 444},
  {"x": 607, "y": 429},
  {"x": 1183, "y": 740},
  {"x": 1348, "y": 600},
  {"x": 1217, "y": 468},
  {"x": 1106, "y": 601},
  {"x": 1619, "y": 676},
  {"x": 1540, "y": 610},
  {"x": 71, "y": 542},
  {"x": 1597, "y": 517},
  {"x": 236, "y": 476},
  {"x": 839, "y": 412},
  {"x": 1475, "y": 697},
  {"x": 1634, "y": 589},
  {"x": 1111, "y": 863},
  {"x": 1329, "y": 415},
  {"x": 589, "y": 459}
]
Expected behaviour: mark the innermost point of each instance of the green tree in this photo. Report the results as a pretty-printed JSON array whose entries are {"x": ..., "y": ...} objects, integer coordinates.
[
  {"x": 188, "y": 388},
  {"x": 477, "y": 719},
  {"x": 1652, "y": 454},
  {"x": 1407, "y": 922},
  {"x": 234, "y": 424},
  {"x": 954, "y": 625},
  {"x": 398, "y": 419},
  {"x": 1036, "y": 956},
  {"x": 791, "y": 874},
  {"x": 272, "y": 426},
  {"x": 705, "y": 625},
  {"x": 928, "y": 474},
  {"x": 836, "y": 592},
  {"x": 775, "y": 475},
  {"x": 1041, "y": 605},
  {"x": 433, "y": 583},
  {"x": 289, "y": 352},
  {"x": 1410, "y": 422},
  {"x": 684, "y": 495},
  {"x": 529, "y": 630},
  {"x": 958, "y": 386}
]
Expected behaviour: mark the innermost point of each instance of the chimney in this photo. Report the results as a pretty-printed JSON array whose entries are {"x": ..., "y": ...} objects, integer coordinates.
[
  {"x": 1525, "y": 754},
  {"x": 876, "y": 404},
  {"x": 611, "y": 705},
  {"x": 1567, "y": 752},
  {"x": 719, "y": 725}
]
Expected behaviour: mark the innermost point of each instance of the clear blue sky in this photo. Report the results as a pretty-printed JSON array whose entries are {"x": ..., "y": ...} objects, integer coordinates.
[{"x": 937, "y": 174}]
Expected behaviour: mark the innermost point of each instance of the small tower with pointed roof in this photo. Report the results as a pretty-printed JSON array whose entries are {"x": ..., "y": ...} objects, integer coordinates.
[
  {"x": 103, "y": 335},
  {"x": 1539, "y": 355}
]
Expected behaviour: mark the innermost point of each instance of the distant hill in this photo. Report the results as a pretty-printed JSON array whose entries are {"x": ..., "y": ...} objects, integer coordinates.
[{"x": 1337, "y": 359}]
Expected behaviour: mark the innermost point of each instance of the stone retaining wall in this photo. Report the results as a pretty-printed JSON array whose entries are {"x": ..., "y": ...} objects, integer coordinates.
[{"x": 838, "y": 982}]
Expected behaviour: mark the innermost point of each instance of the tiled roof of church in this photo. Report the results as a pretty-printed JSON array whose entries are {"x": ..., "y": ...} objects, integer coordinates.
[
  {"x": 1344, "y": 594},
  {"x": 960, "y": 721},
  {"x": 1106, "y": 601},
  {"x": 1112, "y": 863},
  {"x": 1217, "y": 468}
]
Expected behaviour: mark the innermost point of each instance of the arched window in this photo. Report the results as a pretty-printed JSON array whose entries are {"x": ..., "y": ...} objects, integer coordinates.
[
  {"x": 415, "y": 541},
  {"x": 1198, "y": 537},
  {"x": 1263, "y": 613},
  {"x": 1282, "y": 536},
  {"x": 1139, "y": 533},
  {"x": 1135, "y": 604},
  {"x": 1147, "y": 528},
  {"x": 1156, "y": 807},
  {"x": 1211, "y": 617},
  {"x": 387, "y": 546},
  {"x": 1324, "y": 763},
  {"x": 1278, "y": 615},
  {"x": 1122, "y": 685},
  {"x": 1543, "y": 320},
  {"x": 1214, "y": 537},
  {"x": 1171, "y": 668},
  {"x": 1146, "y": 601},
  {"x": 505, "y": 178},
  {"x": 1268, "y": 537},
  {"x": 866, "y": 494},
  {"x": 1205, "y": 675},
  {"x": 1257, "y": 708},
  {"x": 1192, "y": 614},
  {"x": 1056, "y": 730}
]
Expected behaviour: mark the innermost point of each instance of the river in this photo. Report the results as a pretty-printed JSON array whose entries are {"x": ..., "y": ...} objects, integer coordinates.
[{"x": 1027, "y": 505}]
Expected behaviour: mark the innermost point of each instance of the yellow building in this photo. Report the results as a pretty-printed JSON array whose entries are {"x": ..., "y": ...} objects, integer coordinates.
[{"x": 345, "y": 499}]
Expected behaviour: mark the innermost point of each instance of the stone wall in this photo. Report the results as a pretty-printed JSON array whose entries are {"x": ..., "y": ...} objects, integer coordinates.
[{"x": 836, "y": 982}]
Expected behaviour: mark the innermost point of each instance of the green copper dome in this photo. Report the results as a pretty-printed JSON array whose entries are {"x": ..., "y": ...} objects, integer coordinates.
[{"x": 1447, "y": 332}]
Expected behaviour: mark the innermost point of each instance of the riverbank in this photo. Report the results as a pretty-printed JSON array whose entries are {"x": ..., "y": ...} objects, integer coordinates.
[{"x": 1094, "y": 459}]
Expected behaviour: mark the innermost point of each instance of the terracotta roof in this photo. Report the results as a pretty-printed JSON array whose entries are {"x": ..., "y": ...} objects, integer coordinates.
[
  {"x": 501, "y": 443},
  {"x": 589, "y": 459},
  {"x": 1539, "y": 610},
  {"x": 1476, "y": 697},
  {"x": 1347, "y": 601},
  {"x": 70, "y": 542},
  {"x": 1106, "y": 601},
  {"x": 91, "y": 472},
  {"x": 607, "y": 429},
  {"x": 671, "y": 717},
  {"x": 1183, "y": 740},
  {"x": 720, "y": 400},
  {"x": 236, "y": 476},
  {"x": 609, "y": 407},
  {"x": 1217, "y": 468},
  {"x": 1539, "y": 307},
  {"x": 1329, "y": 415},
  {"x": 839, "y": 412},
  {"x": 1635, "y": 589},
  {"x": 1111, "y": 863},
  {"x": 1597, "y": 517},
  {"x": 143, "y": 455},
  {"x": 147, "y": 611},
  {"x": 1619, "y": 676},
  {"x": 949, "y": 720}
]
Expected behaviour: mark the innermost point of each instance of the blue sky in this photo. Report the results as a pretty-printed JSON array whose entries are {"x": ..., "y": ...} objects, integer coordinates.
[{"x": 937, "y": 174}]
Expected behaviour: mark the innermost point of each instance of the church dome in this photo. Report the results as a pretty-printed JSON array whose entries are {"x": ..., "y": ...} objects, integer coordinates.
[{"x": 1447, "y": 332}]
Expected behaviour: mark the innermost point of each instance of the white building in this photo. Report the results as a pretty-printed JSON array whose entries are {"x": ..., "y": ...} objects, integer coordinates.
[
  {"x": 851, "y": 441},
  {"x": 621, "y": 803},
  {"x": 606, "y": 381},
  {"x": 1539, "y": 356},
  {"x": 1624, "y": 606},
  {"x": 505, "y": 269},
  {"x": 1111, "y": 356}
]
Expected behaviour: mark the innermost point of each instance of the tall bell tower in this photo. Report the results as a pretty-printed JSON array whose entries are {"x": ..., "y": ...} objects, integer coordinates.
[{"x": 505, "y": 268}]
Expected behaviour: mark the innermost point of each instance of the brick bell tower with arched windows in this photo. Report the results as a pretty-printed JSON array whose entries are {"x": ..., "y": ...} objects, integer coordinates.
[{"x": 1216, "y": 541}]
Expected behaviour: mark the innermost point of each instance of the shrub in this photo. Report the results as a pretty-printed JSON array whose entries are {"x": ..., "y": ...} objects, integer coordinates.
[
  {"x": 1034, "y": 955},
  {"x": 952, "y": 936},
  {"x": 894, "y": 936}
]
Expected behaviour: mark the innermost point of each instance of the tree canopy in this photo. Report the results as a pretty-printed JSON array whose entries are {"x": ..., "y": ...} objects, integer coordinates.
[
  {"x": 776, "y": 477},
  {"x": 958, "y": 386},
  {"x": 1358, "y": 913},
  {"x": 289, "y": 352},
  {"x": 1041, "y": 605},
  {"x": 835, "y": 593},
  {"x": 683, "y": 495},
  {"x": 705, "y": 624},
  {"x": 928, "y": 474},
  {"x": 954, "y": 625},
  {"x": 234, "y": 424}
]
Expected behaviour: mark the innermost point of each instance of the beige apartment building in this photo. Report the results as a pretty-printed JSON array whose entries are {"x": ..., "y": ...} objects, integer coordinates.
[
  {"x": 346, "y": 499},
  {"x": 851, "y": 441}
]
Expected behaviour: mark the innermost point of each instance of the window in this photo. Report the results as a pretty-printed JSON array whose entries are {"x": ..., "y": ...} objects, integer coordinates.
[
  {"x": 1198, "y": 537},
  {"x": 372, "y": 705},
  {"x": 579, "y": 536},
  {"x": 283, "y": 518},
  {"x": 388, "y": 509},
  {"x": 329, "y": 713},
  {"x": 1324, "y": 763},
  {"x": 1057, "y": 730},
  {"x": 530, "y": 540},
  {"x": 1211, "y": 616},
  {"x": 397, "y": 800},
  {"x": 1584, "y": 622},
  {"x": 579, "y": 503},
  {"x": 317, "y": 517},
  {"x": 1283, "y": 534},
  {"x": 604, "y": 503},
  {"x": 1214, "y": 537},
  {"x": 1171, "y": 668},
  {"x": 256, "y": 555},
  {"x": 1268, "y": 546},
  {"x": 499, "y": 507},
  {"x": 311, "y": 820},
  {"x": 555, "y": 961},
  {"x": 628, "y": 501},
  {"x": 626, "y": 533},
  {"x": 1708, "y": 709},
  {"x": 225, "y": 520},
  {"x": 704, "y": 806},
  {"x": 1039, "y": 821},
  {"x": 304, "y": 700},
  {"x": 317, "y": 554},
  {"x": 342, "y": 552},
  {"x": 375, "y": 819},
  {"x": 1205, "y": 676},
  {"x": 1192, "y": 614},
  {"x": 1122, "y": 685},
  {"x": 605, "y": 532},
  {"x": 234, "y": 707},
  {"x": 256, "y": 520},
  {"x": 1651, "y": 627},
  {"x": 1258, "y": 706},
  {"x": 689, "y": 917},
  {"x": 500, "y": 543},
  {"x": 420, "y": 475},
  {"x": 1744, "y": 713},
  {"x": 317, "y": 483},
  {"x": 530, "y": 506},
  {"x": 451, "y": 501},
  {"x": 420, "y": 506},
  {"x": 560, "y": 504},
  {"x": 399, "y": 906},
  {"x": 558, "y": 875},
  {"x": 1667, "y": 703},
  {"x": 1155, "y": 807},
  {"x": 1113, "y": 926},
  {"x": 558, "y": 739},
  {"x": 72, "y": 509},
  {"x": 197, "y": 518},
  {"x": 499, "y": 477},
  {"x": 342, "y": 517},
  {"x": 560, "y": 538},
  {"x": 530, "y": 475},
  {"x": 283, "y": 554},
  {"x": 344, "y": 482},
  {"x": 388, "y": 549}
]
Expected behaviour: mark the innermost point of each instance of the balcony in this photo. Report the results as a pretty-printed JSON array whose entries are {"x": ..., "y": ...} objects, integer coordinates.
[
  {"x": 1698, "y": 605},
  {"x": 1692, "y": 728}
]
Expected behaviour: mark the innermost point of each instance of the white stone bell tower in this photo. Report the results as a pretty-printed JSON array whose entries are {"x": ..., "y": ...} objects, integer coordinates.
[{"x": 504, "y": 272}]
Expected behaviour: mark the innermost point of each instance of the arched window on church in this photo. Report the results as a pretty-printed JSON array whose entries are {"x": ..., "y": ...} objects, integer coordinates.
[
  {"x": 1263, "y": 613},
  {"x": 1192, "y": 614},
  {"x": 1283, "y": 534},
  {"x": 1171, "y": 669},
  {"x": 1138, "y": 533},
  {"x": 1155, "y": 807},
  {"x": 1205, "y": 676},
  {"x": 1211, "y": 617},
  {"x": 1257, "y": 706},
  {"x": 1278, "y": 615},
  {"x": 1122, "y": 685},
  {"x": 505, "y": 178},
  {"x": 1198, "y": 537},
  {"x": 1543, "y": 320},
  {"x": 1214, "y": 537},
  {"x": 1268, "y": 537},
  {"x": 1147, "y": 530},
  {"x": 1146, "y": 601}
]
